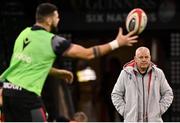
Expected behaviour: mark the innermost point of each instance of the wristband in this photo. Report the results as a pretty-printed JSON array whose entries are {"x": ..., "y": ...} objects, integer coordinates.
[{"x": 114, "y": 44}]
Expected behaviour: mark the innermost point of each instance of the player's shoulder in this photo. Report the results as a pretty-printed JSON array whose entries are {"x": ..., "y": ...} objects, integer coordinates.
[{"x": 58, "y": 38}]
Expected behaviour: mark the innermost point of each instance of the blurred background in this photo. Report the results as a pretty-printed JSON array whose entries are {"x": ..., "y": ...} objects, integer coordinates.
[{"x": 94, "y": 22}]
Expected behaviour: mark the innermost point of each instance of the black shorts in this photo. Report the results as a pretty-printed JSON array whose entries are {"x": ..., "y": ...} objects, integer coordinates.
[{"x": 22, "y": 105}]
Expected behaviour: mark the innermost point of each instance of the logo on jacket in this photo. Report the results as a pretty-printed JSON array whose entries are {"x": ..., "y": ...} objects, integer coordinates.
[{"x": 26, "y": 41}]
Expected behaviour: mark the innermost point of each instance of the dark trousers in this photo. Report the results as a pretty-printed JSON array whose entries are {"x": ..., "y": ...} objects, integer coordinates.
[{"x": 22, "y": 105}]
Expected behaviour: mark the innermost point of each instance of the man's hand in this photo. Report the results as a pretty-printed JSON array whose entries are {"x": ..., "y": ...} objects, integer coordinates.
[
  {"x": 62, "y": 74},
  {"x": 126, "y": 40}
]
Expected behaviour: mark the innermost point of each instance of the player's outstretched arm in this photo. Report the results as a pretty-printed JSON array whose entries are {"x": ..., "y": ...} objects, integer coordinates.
[{"x": 77, "y": 51}]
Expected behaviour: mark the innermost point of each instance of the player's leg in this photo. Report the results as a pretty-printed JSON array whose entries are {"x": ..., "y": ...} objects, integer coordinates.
[
  {"x": 22, "y": 105},
  {"x": 38, "y": 115},
  {"x": 15, "y": 110}
]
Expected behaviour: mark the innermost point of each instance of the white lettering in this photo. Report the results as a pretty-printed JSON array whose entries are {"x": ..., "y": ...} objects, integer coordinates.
[
  {"x": 94, "y": 18},
  {"x": 114, "y": 18},
  {"x": 23, "y": 57},
  {"x": 11, "y": 86}
]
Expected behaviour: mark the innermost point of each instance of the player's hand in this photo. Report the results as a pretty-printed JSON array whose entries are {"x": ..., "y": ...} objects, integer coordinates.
[
  {"x": 65, "y": 75},
  {"x": 126, "y": 40}
]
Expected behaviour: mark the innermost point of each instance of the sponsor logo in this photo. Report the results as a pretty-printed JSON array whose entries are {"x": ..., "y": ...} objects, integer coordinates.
[
  {"x": 23, "y": 57},
  {"x": 26, "y": 42},
  {"x": 11, "y": 86}
]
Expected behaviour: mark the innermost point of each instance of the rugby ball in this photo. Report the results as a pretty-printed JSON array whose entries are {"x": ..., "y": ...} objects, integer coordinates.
[{"x": 136, "y": 20}]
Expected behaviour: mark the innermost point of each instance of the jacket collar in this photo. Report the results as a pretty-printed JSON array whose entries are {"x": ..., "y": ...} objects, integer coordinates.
[
  {"x": 36, "y": 27},
  {"x": 131, "y": 66}
]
